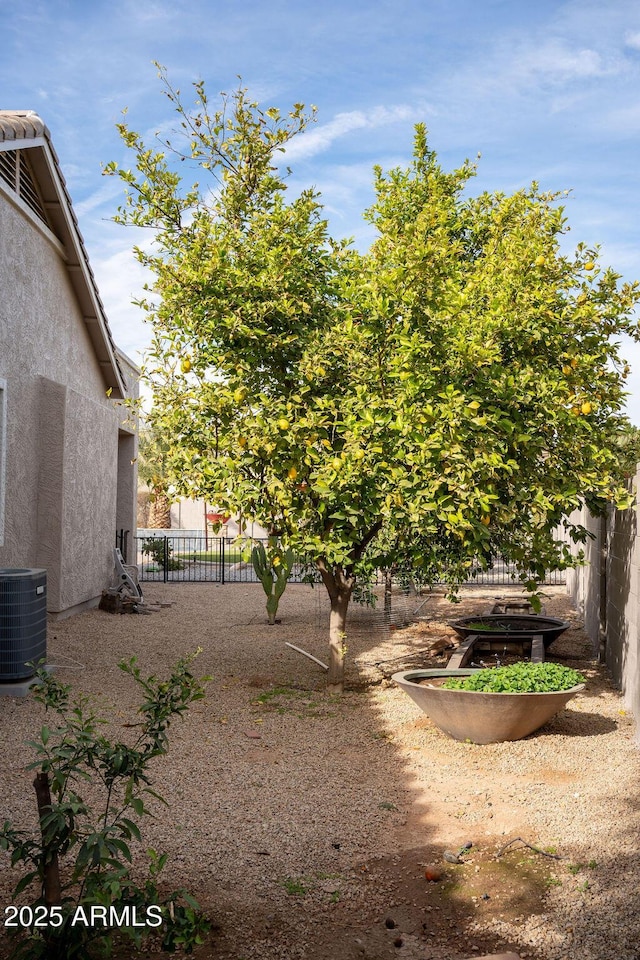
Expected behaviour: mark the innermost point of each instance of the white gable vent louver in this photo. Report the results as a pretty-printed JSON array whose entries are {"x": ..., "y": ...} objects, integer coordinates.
[{"x": 14, "y": 170}]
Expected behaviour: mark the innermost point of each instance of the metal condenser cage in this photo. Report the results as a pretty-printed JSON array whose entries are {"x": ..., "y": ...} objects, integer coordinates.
[{"x": 23, "y": 622}]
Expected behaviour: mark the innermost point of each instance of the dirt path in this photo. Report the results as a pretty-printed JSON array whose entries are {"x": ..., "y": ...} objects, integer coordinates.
[{"x": 305, "y": 823}]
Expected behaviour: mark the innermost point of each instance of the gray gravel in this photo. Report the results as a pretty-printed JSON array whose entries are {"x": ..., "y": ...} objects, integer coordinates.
[{"x": 273, "y": 786}]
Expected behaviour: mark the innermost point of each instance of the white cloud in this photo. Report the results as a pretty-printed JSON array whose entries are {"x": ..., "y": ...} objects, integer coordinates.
[
  {"x": 558, "y": 62},
  {"x": 622, "y": 256},
  {"x": 320, "y": 138},
  {"x": 110, "y": 193},
  {"x": 121, "y": 278},
  {"x": 624, "y": 121},
  {"x": 556, "y": 67},
  {"x": 633, "y": 40}
]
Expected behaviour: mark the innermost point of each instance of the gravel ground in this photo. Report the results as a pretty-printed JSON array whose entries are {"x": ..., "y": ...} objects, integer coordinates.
[{"x": 303, "y": 823}]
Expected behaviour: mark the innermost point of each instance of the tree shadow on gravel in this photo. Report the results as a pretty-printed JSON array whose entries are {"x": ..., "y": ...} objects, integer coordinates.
[
  {"x": 305, "y": 824},
  {"x": 572, "y": 723}
]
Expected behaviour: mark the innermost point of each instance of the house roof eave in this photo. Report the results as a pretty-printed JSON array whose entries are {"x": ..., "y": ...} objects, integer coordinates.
[{"x": 25, "y": 130}]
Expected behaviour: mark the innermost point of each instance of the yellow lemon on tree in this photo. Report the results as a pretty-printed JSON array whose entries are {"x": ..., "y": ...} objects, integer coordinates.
[
  {"x": 590, "y": 265},
  {"x": 283, "y": 424},
  {"x": 486, "y": 520},
  {"x": 567, "y": 369},
  {"x": 586, "y": 407},
  {"x": 242, "y": 441},
  {"x": 540, "y": 261},
  {"x": 292, "y": 473},
  {"x": 336, "y": 463},
  {"x": 185, "y": 364}
]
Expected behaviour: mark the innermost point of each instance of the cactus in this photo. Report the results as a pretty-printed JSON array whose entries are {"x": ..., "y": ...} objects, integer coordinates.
[{"x": 272, "y": 569}]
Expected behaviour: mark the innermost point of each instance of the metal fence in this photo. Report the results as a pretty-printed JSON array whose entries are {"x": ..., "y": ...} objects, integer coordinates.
[
  {"x": 199, "y": 559},
  {"x": 190, "y": 559},
  {"x": 504, "y": 574}
]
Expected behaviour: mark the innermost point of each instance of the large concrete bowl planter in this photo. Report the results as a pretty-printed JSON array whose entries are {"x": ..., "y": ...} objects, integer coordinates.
[
  {"x": 480, "y": 717},
  {"x": 505, "y": 625}
]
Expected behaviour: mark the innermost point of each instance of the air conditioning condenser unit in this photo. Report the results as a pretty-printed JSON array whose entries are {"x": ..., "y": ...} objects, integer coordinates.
[{"x": 23, "y": 622}]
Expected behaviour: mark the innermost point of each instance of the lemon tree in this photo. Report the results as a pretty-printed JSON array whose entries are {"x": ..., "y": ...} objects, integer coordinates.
[{"x": 451, "y": 392}]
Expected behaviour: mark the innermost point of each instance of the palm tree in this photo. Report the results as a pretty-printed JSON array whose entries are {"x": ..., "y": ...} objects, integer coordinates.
[{"x": 153, "y": 453}]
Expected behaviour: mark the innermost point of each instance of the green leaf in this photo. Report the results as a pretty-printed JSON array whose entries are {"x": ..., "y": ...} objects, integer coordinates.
[{"x": 25, "y": 882}]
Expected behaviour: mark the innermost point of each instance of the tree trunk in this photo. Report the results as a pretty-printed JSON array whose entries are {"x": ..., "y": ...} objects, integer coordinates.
[
  {"x": 160, "y": 512},
  {"x": 339, "y": 587},
  {"x": 337, "y": 641},
  {"x": 144, "y": 505},
  {"x": 50, "y": 868}
]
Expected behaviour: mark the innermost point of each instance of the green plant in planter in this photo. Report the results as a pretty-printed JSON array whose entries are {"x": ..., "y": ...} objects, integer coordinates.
[
  {"x": 523, "y": 677},
  {"x": 491, "y": 627}
]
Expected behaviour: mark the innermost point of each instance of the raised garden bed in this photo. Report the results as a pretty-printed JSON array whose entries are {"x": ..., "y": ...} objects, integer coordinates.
[
  {"x": 481, "y": 651},
  {"x": 476, "y": 716}
]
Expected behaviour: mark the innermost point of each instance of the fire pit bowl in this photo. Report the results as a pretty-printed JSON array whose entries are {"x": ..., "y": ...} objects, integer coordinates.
[
  {"x": 504, "y": 625},
  {"x": 480, "y": 717}
]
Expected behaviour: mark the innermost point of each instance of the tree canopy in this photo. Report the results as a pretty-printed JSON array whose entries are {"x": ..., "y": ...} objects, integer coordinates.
[{"x": 449, "y": 394}]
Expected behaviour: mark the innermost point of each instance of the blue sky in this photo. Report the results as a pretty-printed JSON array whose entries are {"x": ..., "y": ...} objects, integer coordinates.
[{"x": 546, "y": 91}]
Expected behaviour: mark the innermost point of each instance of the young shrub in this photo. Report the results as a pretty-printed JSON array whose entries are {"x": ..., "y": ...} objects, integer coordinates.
[
  {"x": 159, "y": 550},
  {"x": 78, "y": 867}
]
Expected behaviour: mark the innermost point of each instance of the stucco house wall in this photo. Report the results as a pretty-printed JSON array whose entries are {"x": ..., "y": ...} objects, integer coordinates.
[{"x": 68, "y": 447}]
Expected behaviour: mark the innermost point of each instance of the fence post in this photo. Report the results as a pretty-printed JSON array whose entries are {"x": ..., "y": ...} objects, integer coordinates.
[
  {"x": 165, "y": 565},
  {"x": 222, "y": 556}
]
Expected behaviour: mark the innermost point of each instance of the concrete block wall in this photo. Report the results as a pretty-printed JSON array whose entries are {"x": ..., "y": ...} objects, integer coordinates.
[
  {"x": 612, "y": 585},
  {"x": 584, "y": 582},
  {"x": 623, "y": 602}
]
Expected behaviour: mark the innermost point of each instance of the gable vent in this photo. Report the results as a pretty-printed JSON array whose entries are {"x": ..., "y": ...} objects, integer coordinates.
[{"x": 14, "y": 170}]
